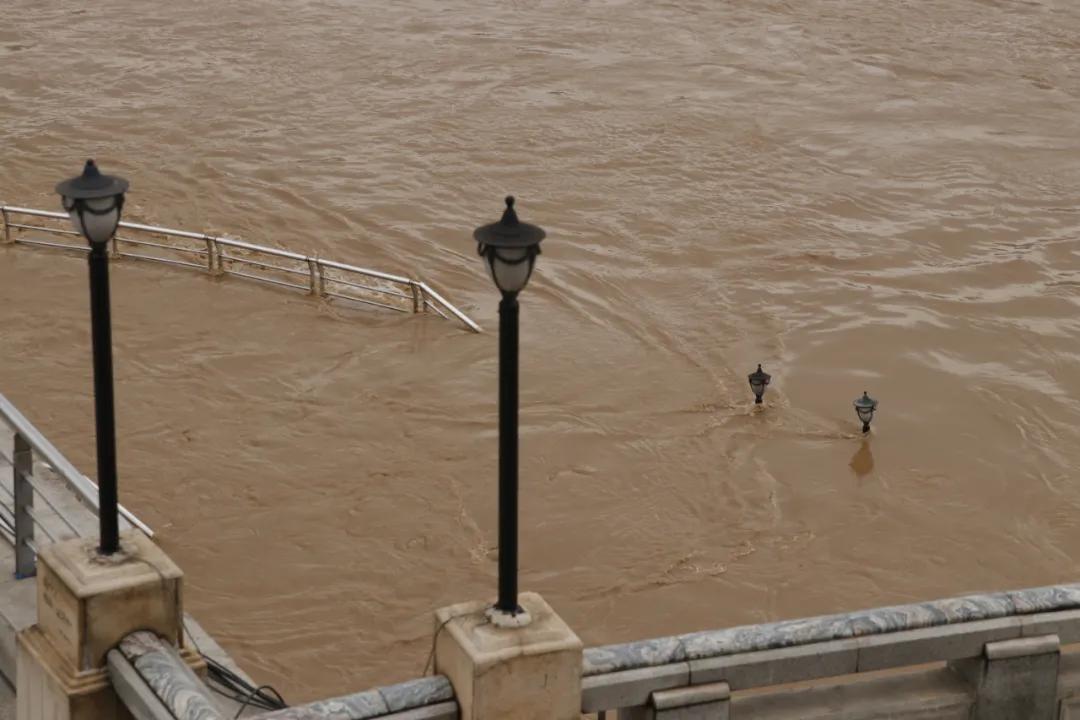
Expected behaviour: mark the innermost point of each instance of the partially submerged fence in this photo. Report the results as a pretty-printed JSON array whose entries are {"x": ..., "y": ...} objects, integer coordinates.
[
  {"x": 987, "y": 640},
  {"x": 219, "y": 255}
]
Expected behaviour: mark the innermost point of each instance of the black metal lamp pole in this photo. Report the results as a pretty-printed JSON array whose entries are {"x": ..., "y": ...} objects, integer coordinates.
[
  {"x": 508, "y": 452},
  {"x": 509, "y": 248},
  {"x": 94, "y": 202},
  {"x": 101, "y": 329}
]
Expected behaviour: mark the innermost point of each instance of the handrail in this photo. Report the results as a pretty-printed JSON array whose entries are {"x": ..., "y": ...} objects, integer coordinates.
[
  {"x": 156, "y": 684},
  {"x": 790, "y": 633},
  {"x": 759, "y": 656},
  {"x": 21, "y": 519},
  {"x": 364, "y": 271},
  {"x": 418, "y": 295},
  {"x": 86, "y": 488},
  {"x": 453, "y": 310}
]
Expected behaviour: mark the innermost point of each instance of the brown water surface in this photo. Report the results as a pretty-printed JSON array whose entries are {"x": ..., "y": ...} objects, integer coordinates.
[{"x": 859, "y": 195}]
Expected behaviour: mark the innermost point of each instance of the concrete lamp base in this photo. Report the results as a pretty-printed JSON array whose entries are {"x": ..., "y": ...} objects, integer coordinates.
[
  {"x": 525, "y": 672},
  {"x": 87, "y": 603}
]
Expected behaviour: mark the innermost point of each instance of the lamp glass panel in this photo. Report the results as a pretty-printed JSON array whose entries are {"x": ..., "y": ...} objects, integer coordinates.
[
  {"x": 97, "y": 228},
  {"x": 865, "y": 414},
  {"x": 511, "y": 276}
]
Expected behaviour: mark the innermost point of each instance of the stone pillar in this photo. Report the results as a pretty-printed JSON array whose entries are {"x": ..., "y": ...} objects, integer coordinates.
[
  {"x": 87, "y": 603},
  {"x": 1014, "y": 679},
  {"x": 697, "y": 702},
  {"x": 526, "y": 673}
]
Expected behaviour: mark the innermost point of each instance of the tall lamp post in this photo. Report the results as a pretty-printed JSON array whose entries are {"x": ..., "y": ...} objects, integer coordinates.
[
  {"x": 94, "y": 201},
  {"x": 509, "y": 249}
]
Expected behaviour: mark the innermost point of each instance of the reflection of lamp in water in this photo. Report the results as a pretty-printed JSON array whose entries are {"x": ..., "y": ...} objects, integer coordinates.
[
  {"x": 862, "y": 462},
  {"x": 865, "y": 407},
  {"x": 759, "y": 379},
  {"x": 509, "y": 248},
  {"x": 94, "y": 202}
]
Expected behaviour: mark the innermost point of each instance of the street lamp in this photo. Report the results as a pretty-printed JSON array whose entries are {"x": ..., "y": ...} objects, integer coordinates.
[
  {"x": 864, "y": 408},
  {"x": 509, "y": 249},
  {"x": 759, "y": 379},
  {"x": 94, "y": 201}
]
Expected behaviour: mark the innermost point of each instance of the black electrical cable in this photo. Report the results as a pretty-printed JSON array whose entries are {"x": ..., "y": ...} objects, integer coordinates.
[
  {"x": 252, "y": 695},
  {"x": 236, "y": 688},
  {"x": 240, "y": 691}
]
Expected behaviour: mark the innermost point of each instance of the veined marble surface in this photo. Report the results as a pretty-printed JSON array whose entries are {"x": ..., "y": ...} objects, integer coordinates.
[
  {"x": 158, "y": 663},
  {"x": 187, "y": 699},
  {"x": 788, "y": 633},
  {"x": 372, "y": 703}
]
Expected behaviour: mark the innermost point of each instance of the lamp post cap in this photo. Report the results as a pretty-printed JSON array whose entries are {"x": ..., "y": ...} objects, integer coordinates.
[
  {"x": 509, "y": 232},
  {"x": 91, "y": 184},
  {"x": 865, "y": 402},
  {"x": 760, "y": 375}
]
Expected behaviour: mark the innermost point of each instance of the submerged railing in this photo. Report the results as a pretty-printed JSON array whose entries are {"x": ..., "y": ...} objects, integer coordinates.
[
  {"x": 34, "y": 502},
  {"x": 229, "y": 257}
]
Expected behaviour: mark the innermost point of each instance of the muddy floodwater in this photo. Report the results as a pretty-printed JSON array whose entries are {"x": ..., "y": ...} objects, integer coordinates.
[{"x": 879, "y": 196}]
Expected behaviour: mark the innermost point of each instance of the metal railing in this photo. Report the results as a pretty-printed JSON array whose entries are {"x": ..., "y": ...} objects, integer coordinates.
[
  {"x": 229, "y": 257},
  {"x": 35, "y": 501}
]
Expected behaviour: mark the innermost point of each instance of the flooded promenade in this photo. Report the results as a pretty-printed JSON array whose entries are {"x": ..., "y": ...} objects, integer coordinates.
[{"x": 876, "y": 196}]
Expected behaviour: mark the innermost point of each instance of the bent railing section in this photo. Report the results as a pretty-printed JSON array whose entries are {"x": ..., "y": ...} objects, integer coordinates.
[
  {"x": 230, "y": 257},
  {"x": 32, "y": 504},
  {"x": 707, "y": 670}
]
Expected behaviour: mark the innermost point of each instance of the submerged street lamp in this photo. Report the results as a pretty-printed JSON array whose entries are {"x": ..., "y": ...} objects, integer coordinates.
[
  {"x": 94, "y": 201},
  {"x": 865, "y": 407},
  {"x": 759, "y": 380},
  {"x": 509, "y": 249}
]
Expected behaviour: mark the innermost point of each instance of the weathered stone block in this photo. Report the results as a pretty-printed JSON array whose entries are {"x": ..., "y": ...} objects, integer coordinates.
[
  {"x": 711, "y": 701},
  {"x": 88, "y": 602},
  {"x": 774, "y": 667},
  {"x": 526, "y": 673},
  {"x": 631, "y": 687},
  {"x": 949, "y": 642},
  {"x": 46, "y": 692},
  {"x": 1065, "y": 624},
  {"x": 86, "y": 605},
  {"x": 1015, "y": 679}
]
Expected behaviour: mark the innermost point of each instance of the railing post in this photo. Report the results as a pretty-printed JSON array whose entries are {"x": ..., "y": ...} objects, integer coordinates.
[
  {"x": 418, "y": 304},
  {"x": 211, "y": 251},
  {"x": 317, "y": 287},
  {"x": 24, "y": 502},
  {"x": 7, "y": 229},
  {"x": 1015, "y": 678}
]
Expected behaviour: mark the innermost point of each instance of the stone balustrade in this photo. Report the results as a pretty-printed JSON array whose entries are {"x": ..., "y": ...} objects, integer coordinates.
[{"x": 985, "y": 656}]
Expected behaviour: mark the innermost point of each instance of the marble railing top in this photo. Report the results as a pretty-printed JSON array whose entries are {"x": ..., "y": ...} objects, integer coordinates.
[
  {"x": 159, "y": 665},
  {"x": 789, "y": 633},
  {"x": 170, "y": 679},
  {"x": 371, "y": 703}
]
